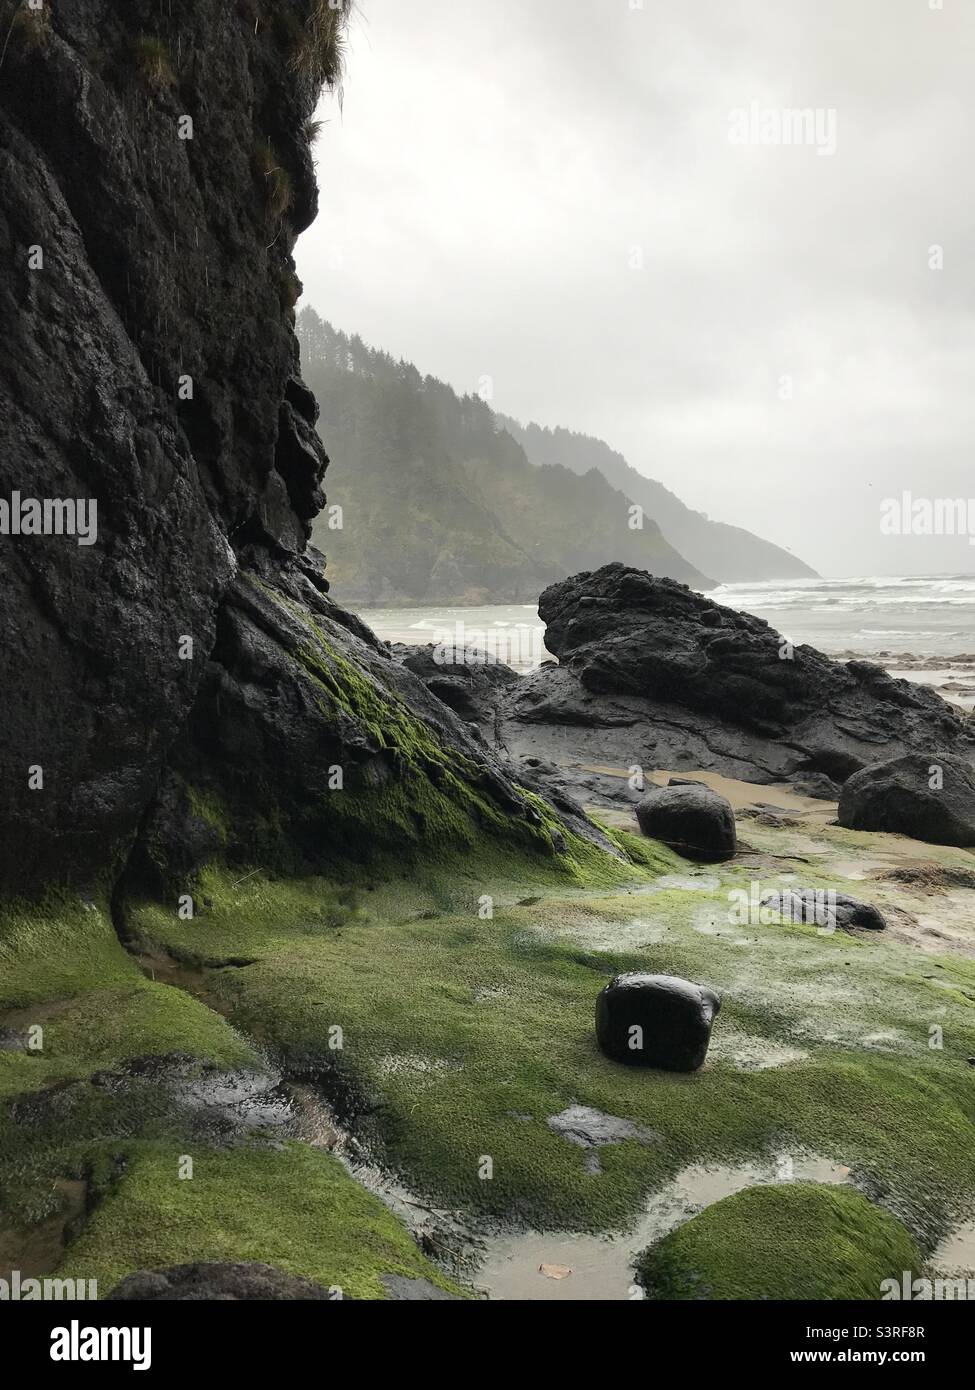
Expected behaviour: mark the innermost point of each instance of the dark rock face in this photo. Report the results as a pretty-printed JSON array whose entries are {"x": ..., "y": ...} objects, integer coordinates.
[
  {"x": 470, "y": 684},
  {"x": 656, "y": 674},
  {"x": 256, "y": 1283},
  {"x": 218, "y": 1283},
  {"x": 694, "y": 820},
  {"x": 927, "y": 796},
  {"x": 826, "y": 909},
  {"x": 655, "y": 1021},
  {"x": 149, "y": 364},
  {"x": 156, "y": 272}
]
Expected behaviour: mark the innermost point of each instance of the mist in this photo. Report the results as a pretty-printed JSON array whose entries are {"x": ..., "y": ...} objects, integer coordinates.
[{"x": 591, "y": 212}]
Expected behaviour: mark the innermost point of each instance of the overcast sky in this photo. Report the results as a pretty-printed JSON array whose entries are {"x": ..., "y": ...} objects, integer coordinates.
[{"x": 501, "y": 171}]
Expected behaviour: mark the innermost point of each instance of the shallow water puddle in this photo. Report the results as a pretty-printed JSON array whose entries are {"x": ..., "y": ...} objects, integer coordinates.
[
  {"x": 956, "y": 1253},
  {"x": 602, "y": 1266}
]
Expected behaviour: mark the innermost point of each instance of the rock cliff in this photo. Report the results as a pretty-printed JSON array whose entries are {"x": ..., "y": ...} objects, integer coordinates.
[{"x": 156, "y": 171}]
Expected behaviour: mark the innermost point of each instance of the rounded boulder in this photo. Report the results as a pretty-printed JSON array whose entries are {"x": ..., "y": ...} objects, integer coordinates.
[
  {"x": 929, "y": 797},
  {"x": 692, "y": 819},
  {"x": 655, "y": 1021}
]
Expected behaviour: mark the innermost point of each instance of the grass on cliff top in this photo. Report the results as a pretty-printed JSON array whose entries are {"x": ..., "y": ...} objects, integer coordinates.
[
  {"x": 295, "y": 1208},
  {"x": 461, "y": 1035},
  {"x": 318, "y": 47},
  {"x": 794, "y": 1241}
]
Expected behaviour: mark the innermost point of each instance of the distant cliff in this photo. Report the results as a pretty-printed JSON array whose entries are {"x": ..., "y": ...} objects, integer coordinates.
[
  {"x": 730, "y": 553},
  {"x": 439, "y": 503}
]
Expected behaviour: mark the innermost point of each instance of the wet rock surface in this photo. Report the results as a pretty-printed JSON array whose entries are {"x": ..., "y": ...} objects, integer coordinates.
[
  {"x": 928, "y": 796},
  {"x": 591, "y": 1129},
  {"x": 655, "y": 675},
  {"x": 656, "y": 1021},
  {"x": 817, "y": 785},
  {"x": 694, "y": 820},
  {"x": 220, "y": 1283},
  {"x": 466, "y": 679},
  {"x": 827, "y": 910},
  {"x": 162, "y": 327}
]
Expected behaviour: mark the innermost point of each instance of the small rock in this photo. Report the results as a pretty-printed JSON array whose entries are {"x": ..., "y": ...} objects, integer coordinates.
[
  {"x": 824, "y": 908},
  {"x": 404, "y": 1290},
  {"x": 656, "y": 1021},
  {"x": 692, "y": 819},
  {"x": 817, "y": 785},
  {"x": 590, "y": 1128}
]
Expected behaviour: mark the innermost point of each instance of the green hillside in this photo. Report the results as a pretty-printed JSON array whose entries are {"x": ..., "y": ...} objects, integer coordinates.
[
  {"x": 439, "y": 504},
  {"x": 733, "y": 555}
]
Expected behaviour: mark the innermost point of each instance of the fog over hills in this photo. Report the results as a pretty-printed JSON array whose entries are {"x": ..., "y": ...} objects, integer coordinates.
[
  {"x": 443, "y": 501},
  {"x": 439, "y": 502},
  {"x": 730, "y": 552}
]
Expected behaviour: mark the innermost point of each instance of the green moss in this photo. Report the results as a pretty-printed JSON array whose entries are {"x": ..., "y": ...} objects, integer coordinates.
[
  {"x": 153, "y": 62},
  {"x": 789, "y": 1241},
  {"x": 274, "y": 179},
  {"x": 457, "y": 1027},
  {"x": 434, "y": 802},
  {"x": 295, "y": 1208},
  {"x": 212, "y": 809},
  {"x": 62, "y": 967}
]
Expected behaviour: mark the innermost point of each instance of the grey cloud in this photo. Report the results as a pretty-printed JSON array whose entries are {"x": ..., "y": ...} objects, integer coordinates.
[{"x": 496, "y": 165}]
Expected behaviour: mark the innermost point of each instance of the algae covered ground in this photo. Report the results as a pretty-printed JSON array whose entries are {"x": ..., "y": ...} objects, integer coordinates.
[
  {"x": 815, "y": 1242},
  {"x": 447, "y": 1015}
]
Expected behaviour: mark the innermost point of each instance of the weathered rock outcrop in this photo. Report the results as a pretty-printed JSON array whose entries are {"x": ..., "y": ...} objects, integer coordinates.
[
  {"x": 653, "y": 674},
  {"x": 156, "y": 172}
]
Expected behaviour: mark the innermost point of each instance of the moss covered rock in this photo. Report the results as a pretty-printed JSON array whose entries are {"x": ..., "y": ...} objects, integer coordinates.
[{"x": 790, "y": 1241}]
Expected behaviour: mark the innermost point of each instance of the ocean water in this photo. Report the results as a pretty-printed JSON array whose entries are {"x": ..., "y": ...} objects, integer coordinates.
[
  {"x": 920, "y": 616},
  {"x": 906, "y": 623}
]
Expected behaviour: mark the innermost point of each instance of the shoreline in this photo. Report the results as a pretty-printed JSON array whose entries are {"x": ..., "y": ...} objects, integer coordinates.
[{"x": 520, "y": 645}]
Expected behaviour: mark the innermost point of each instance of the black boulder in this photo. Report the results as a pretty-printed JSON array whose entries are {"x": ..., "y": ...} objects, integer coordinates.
[
  {"x": 696, "y": 821},
  {"x": 655, "y": 1021}
]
